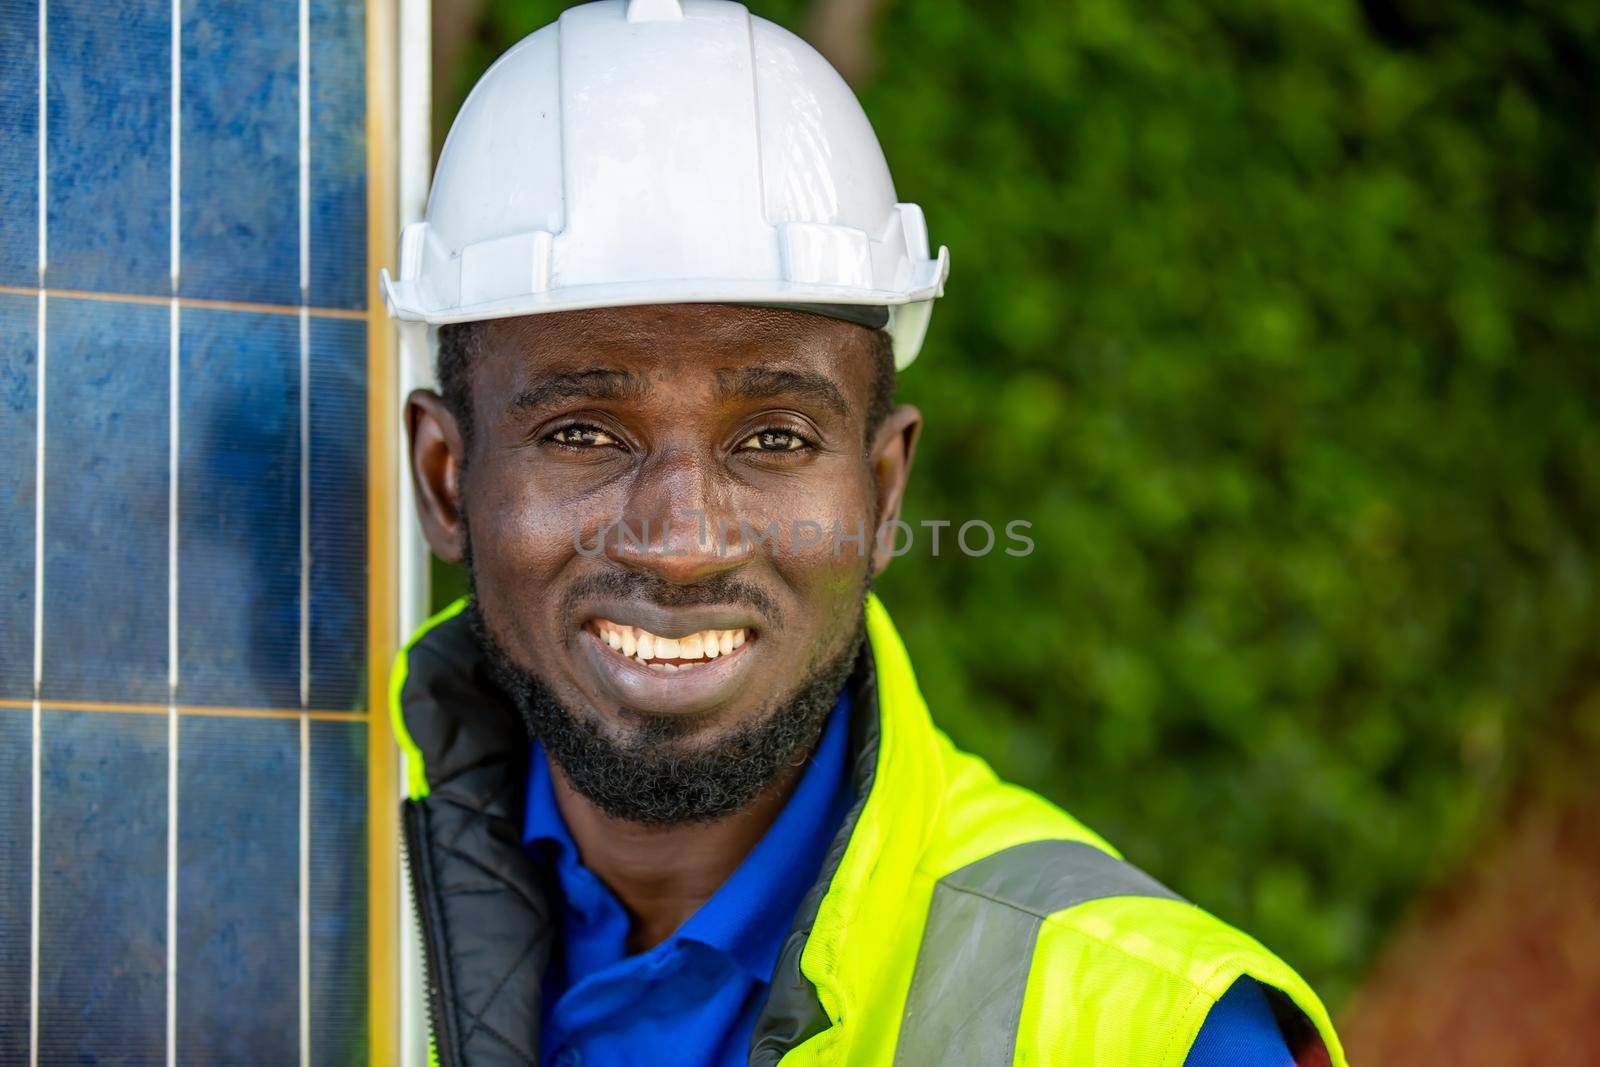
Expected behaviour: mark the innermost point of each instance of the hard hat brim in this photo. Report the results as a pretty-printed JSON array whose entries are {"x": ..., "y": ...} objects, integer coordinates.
[{"x": 407, "y": 301}]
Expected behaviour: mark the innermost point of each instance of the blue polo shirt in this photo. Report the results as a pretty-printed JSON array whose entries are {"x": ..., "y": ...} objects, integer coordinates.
[{"x": 693, "y": 999}]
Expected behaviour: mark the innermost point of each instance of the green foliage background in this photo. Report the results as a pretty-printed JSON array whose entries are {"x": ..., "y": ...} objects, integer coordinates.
[{"x": 1278, "y": 321}]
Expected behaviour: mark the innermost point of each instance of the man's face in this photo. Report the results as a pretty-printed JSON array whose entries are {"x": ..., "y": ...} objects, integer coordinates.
[{"x": 680, "y": 438}]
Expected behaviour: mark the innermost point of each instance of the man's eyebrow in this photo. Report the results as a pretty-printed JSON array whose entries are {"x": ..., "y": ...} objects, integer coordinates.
[
  {"x": 595, "y": 384},
  {"x": 765, "y": 383}
]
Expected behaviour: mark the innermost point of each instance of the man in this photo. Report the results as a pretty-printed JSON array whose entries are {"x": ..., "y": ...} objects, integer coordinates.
[{"x": 675, "y": 797}]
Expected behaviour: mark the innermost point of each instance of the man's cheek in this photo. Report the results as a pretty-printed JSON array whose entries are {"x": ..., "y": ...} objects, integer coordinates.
[
  {"x": 514, "y": 550},
  {"x": 828, "y": 556},
  {"x": 531, "y": 531}
]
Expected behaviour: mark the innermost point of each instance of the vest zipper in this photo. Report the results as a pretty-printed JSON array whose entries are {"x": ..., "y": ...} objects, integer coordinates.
[{"x": 415, "y": 846}]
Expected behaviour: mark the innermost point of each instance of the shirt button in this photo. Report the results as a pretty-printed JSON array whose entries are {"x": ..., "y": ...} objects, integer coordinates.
[{"x": 568, "y": 1057}]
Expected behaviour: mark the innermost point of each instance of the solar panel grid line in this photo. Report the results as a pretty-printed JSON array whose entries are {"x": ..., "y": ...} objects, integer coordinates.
[
  {"x": 305, "y": 687},
  {"x": 315, "y": 312},
  {"x": 305, "y": 892},
  {"x": 303, "y": 26},
  {"x": 33, "y": 904},
  {"x": 172, "y": 888},
  {"x": 44, "y": 119},
  {"x": 42, "y": 348},
  {"x": 42, "y": 345},
  {"x": 217, "y": 710},
  {"x": 38, "y": 559},
  {"x": 44, "y": 222},
  {"x": 305, "y": 509},
  {"x": 303, "y": 21},
  {"x": 305, "y": 643},
  {"x": 174, "y": 359},
  {"x": 173, "y": 471},
  {"x": 175, "y": 143}
]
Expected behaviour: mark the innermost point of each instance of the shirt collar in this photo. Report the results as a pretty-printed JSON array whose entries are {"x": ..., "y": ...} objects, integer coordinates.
[{"x": 749, "y": 915}]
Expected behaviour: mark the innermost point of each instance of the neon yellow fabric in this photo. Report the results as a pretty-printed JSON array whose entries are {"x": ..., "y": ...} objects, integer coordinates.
[
  {"x": 416, "y": 773},
  {"x": 1121, "y": 981},
  {"x": 1151, "y": 969}
]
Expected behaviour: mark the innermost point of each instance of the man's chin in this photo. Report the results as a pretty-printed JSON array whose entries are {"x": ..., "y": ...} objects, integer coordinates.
[{"x": 665, "y": 769}]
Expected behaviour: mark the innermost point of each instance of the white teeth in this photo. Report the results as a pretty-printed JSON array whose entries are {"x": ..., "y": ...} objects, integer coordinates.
[{"x": 645, "y": 647}]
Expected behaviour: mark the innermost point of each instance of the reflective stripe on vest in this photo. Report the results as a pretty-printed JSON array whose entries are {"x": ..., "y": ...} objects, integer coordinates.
[{"x": 977, "y": 949}]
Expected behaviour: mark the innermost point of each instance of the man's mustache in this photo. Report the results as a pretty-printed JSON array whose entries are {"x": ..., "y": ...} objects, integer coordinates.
[{"x": 718, "y": 590}]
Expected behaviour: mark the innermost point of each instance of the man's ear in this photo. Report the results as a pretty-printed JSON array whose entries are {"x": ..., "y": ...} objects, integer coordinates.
[
  {"x": 892, "y": 452},
  {"x": 437, "y": 457}
]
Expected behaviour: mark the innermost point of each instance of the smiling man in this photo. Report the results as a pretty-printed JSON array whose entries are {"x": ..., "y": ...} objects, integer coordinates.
[{"x": 675, "y": 797}]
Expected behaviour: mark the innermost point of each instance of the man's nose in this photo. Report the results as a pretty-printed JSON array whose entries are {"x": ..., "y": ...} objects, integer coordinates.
[{"x": 678, "y": 523}]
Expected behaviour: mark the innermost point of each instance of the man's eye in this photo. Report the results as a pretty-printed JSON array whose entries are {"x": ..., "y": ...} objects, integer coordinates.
[
  {"x": 582, "y": 437},
  {"x": 773, "y": 441}
]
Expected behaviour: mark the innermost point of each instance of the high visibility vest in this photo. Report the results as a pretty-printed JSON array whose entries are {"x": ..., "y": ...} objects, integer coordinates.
[{"x": 958, "y": 920}]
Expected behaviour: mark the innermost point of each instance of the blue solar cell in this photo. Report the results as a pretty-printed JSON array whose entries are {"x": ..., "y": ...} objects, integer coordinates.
[
  {"x": 109, "y": 146},
  {"x": 16, "y": 893},
  {"x": 338, "y": 513},
  {"x": 19, "y": 148},
  {"x": 239, "y": 204},
  {"x": 338, "y": 154},
  {"x": 103, "y": 889},
  {"x": 102, "y": 375},
  {"x": 339, "y": 893},
  {"x": 19, "y": 398},
  {"x": 239, "y": 509},
  {"x": 238, "y": 890},
  {"x": 105, "y": 534}
]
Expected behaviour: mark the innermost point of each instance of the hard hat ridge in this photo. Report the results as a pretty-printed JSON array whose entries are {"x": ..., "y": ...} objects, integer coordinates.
[{"x": 664, "y": 151}]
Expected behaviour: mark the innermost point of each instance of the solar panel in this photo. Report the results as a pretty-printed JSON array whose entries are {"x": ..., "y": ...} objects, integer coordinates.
[{"x": 184, "y": 584}]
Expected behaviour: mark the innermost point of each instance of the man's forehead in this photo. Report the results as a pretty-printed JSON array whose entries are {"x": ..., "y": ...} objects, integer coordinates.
[
  {"x": 663, "y": 341},
  {"x": 622, "y": 354},
  {"x": 751, "y": 383},
  {"x": 648, "y": 329}
]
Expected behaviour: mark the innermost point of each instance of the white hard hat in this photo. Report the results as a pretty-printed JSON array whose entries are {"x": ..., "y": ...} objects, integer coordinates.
[{"x": 664, "y": 152}]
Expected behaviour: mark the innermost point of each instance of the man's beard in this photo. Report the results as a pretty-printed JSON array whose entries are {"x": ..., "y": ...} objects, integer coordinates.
[{"x": 653, "y": 777}]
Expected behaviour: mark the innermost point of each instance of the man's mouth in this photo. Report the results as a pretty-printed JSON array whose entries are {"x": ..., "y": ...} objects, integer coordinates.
[{"x": 668, "y": 654}]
